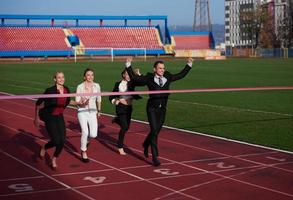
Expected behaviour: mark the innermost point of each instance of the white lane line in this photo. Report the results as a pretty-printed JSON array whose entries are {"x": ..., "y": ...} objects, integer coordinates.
[
  {"x": 21, "y": 86},
  {"x": 261, "y": 166},
  {"x": 254, "y": 168},
  {"x": 233, "y": 179},
  {"x": 22, "y": 178},
  {"x": 226, "y": 176},
  {"x": 227, "y": 108},
  {"x": 35, "y": 192},
  {"x": 44, "y": 174},
  {"x": 170, "y": 141},
  {"x": 196, "y": 133},
  {"x": 167, "y": 140},
  {"x": 104, "y": 164}
]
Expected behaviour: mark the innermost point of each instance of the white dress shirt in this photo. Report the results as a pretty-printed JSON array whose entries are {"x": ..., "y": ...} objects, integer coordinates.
[
  {"x": 156, "y": 79},
  {"x": 122, "y": 88}
]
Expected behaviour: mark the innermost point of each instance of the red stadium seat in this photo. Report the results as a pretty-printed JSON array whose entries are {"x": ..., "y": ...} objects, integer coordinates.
[
  {"x": 191, "y": 42},
  {"x": 31, "y": 38},
  {"x": 121, "y": 37}
]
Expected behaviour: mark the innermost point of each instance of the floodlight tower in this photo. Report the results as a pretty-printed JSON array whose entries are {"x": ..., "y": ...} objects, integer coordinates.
[{"x": 202, "y": 19}]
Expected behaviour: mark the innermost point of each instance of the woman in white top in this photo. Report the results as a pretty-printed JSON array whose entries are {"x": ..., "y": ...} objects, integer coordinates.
[{"x": 88, "y": 114}]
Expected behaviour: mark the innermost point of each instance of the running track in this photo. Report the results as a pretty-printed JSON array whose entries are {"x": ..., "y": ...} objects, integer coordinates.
[{"x": 193, "y": 166}]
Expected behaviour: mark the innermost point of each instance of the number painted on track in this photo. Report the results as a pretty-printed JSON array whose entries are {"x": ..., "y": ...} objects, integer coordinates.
[
  {"x": 96, "y": 180},
  {"x": 167, "y": 172},
  {"x": 221, "y": 165},
  {"x": 21, "y": 187}
]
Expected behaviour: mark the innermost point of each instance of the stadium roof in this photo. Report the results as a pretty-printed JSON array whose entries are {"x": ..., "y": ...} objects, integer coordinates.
[{"x": 84, "y": 17}]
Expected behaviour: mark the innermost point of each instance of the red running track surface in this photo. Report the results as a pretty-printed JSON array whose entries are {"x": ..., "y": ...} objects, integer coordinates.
[{"x": 193, "y": 166}]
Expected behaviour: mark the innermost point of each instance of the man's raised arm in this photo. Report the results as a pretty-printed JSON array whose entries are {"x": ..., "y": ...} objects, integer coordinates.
[
  {"x": 138, "y": 80},
  {"x": 184, "y": 71}
]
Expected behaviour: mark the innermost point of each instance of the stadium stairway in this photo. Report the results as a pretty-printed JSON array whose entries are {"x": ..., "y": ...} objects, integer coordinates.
[{"x": 79, "y": 48}]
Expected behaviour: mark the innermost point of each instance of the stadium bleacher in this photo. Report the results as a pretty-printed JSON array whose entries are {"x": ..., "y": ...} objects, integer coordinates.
[
  {"x": 119, "y": 37},
  {"x": 32, "y": 38},
  {"x": 189, "y": 42},
  {"x": 62, "y": 40}
]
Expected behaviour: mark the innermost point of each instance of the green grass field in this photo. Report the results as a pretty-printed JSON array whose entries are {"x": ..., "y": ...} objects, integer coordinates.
[{"x": 258, "y": 117}]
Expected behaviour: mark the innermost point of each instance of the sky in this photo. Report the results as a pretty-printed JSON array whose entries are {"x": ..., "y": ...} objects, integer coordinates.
[{"x": 179, "y": 12}]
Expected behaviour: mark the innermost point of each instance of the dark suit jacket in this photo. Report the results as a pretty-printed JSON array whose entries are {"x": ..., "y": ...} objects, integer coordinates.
[
  {"x": 157, "y": 100},
  {"x": 130, "y": 86},
  {"x": 50, "y": 103}
]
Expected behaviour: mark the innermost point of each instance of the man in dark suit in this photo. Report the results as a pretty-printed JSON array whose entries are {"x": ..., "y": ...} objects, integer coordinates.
[{"x": 156, "y": 105}]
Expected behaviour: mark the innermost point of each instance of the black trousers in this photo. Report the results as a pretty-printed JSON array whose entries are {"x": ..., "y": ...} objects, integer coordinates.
[
  {"x": 123, "y": 120},
  {"x": 55, "y": 126},
  {"x": 156, "y": 118}
]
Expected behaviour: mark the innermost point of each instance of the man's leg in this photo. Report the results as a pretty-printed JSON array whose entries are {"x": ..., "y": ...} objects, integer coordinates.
[
  {"x": 161, "y": 114},
  {"x": 153, "y": 117}
]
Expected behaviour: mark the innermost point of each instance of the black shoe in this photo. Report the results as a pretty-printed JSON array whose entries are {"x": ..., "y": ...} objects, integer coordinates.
[
  {"x": 156, "y": 162},
  {"x": 87, "y": 144},
  {"x": 85, "y": 160},
  {"x": 145, "y": 151}
]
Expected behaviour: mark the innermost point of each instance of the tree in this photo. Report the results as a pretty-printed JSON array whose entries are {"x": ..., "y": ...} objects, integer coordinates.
[
  {"x": 268, "y": 35},
  {"x": 250, "y": 25},
  {"x": 258, "y": 25},
  {"x": 285, "y": 28}
]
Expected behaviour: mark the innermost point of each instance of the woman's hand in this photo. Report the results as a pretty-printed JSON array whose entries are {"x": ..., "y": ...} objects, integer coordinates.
[
  {"x": 83, "y": 102},
  {"x": 123, "y": 101}
]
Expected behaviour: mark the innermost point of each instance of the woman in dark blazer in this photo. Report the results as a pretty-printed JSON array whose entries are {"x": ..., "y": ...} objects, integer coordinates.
[
  {"x": 52, "y": 114},
  {"x": 123, "y": 107}
]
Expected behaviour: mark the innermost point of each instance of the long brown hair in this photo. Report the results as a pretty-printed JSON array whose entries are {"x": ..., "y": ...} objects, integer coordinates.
[{"x": 88, "y": 70}]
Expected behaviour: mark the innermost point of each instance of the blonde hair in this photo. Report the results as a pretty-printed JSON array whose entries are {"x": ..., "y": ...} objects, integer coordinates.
[{"x": 56, "y": 73}]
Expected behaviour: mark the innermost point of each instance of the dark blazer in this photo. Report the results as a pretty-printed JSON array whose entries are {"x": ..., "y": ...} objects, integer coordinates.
[
  {"x": 157, "y": 100},
  {"x": 50, "y": 103},
  {"x": 130, "y": 86}
]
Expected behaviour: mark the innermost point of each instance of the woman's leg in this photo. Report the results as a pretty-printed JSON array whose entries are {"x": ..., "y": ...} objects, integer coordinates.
[
  {"x": 51, "y": 128},
  {"x": 60, "y": 135},
  {"x": 93, "y": 125},
  {"x": 124, "y": 125},
  {"x": 83, "y": 122}
]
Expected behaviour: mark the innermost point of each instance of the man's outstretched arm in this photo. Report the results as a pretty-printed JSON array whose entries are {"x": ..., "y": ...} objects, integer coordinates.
[
  {"x": 183, "y": 72},
  {"x": 138, "y": 80}
]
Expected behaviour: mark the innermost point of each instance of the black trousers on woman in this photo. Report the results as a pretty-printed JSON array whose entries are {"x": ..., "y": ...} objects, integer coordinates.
[
  {"x": 55, "y": 126},
  {"x": 123, "y": 120}
]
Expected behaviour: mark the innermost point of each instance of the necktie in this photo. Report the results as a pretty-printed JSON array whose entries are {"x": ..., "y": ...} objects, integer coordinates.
[{"x": 160, "y": 82}]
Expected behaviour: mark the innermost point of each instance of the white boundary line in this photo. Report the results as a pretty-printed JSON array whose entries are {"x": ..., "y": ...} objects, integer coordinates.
[
  {"x": 254, "y": 168},
  {"x": 44, "y": 174},
  {"x": 122, "y": 182},
  {"x": 231, "y": 108},
  {"x": 261, "y": 166},
  {"x": 213, "y": 136},
  {"x": 23, "y": 178},
  {"x": 178, "y": 143},
  {"x": 167, "y": 140},
  {"x": 202, "y": 134},
  {"x": 189, "y": 166},
  {"x": 20, "y": 86},
  {"x": 99, "y": 162}
]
